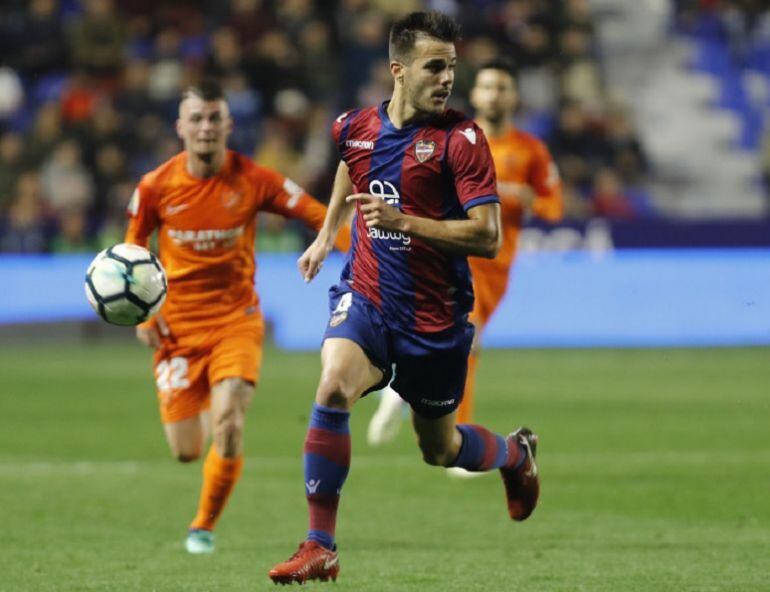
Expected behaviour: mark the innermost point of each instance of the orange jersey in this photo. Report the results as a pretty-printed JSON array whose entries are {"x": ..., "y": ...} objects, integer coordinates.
[
  {"x": 520, "y": 159},
  {"x": 206, "y": 231}
]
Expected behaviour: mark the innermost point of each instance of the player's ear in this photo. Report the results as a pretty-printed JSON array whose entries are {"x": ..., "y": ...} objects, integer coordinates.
[
  {"x": 178, "y": 126},
  {"x": 397, "y": 71}
]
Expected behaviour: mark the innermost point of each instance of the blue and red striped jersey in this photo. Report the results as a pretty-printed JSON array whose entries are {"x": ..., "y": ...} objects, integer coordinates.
[{"x": 436, "y": 169}]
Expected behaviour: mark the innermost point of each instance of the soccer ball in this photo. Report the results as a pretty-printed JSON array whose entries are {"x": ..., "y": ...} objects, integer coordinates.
[{"x": 126, "y": 284}]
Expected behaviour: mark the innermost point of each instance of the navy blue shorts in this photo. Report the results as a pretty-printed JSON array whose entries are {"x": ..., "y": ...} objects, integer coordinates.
[{"x": 430, "y": 368}]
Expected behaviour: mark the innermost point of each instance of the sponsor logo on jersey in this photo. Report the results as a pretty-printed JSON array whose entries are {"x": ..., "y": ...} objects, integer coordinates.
[
  {"x": 387, "y": 192},
  {"x": 208, "y": 239},
  {"x": 424, "y": 149},
  {"x": 379, "y": 234},
  {"x": 363, "y": 144},
  {"x": 470, "y": 135}
]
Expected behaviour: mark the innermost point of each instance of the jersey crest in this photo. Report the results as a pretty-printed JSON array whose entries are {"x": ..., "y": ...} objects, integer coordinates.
[{"x": 424, "y": 149}]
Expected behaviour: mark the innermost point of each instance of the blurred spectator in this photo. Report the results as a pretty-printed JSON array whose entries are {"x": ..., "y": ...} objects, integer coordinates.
[
  {"x": 250, "y": 19},
  {"x": 577, "y": 147},
  {"x": 134, "y": 99},
  {"x": 26, "y": 228},
  {"x": 97, "y": 38},
  {"x": 73, "y": 236},
  {"x": 245, "y": 108},
  {"x": 627, "y": 154},
  {"x": 609, "y": 200},
  {"x": 319, "y": 64},
  {"x": 275, "y": 65},
  {"x": 79, "y": 99},
  {"x": 47, "y": 129},
  {"x": 225, "y": 58},
  {"x": 294, "y": 15},
  {"x": 66, "y": 183},
  {"x": 366, "y": 46},
  {"x": 39, "y": 47},
  {"x": 11, "y": 93},
  {"x": 11, "y": 151},
  {"x": 580, "y": 77}
]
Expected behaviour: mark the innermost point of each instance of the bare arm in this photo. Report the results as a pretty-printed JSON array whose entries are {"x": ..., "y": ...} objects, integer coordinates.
[
  {"x": 312, "y": 259},
  {"x": 479, "y": 235}
]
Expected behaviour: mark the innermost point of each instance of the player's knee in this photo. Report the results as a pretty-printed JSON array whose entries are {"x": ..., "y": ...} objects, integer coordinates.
[
  {"x": 334, "y": 391},
  {"x": 186, "y": 456}
]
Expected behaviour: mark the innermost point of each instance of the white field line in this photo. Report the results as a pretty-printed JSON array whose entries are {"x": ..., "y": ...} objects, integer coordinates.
[{"x": 611, "y": 462}]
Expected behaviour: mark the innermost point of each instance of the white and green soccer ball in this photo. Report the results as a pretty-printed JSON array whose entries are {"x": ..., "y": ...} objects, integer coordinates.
[{"x": 126, "y": 284}]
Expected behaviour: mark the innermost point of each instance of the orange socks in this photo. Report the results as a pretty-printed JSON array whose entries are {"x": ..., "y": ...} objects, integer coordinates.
[
  {"x": 219, "y": 478},
  {"x": 465, "y": 411}
]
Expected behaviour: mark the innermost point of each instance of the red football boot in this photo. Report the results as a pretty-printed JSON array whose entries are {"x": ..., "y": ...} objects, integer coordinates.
[
  {"x": 311, "y": 562},
  {"x": 522, "y": 486}
]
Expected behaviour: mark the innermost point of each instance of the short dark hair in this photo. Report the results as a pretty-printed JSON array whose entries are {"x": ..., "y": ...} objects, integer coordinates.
[
  {"x": 501, "y": 64},
  {"x": 407, "y": 30},
  {"x": 208, "y": 90}
]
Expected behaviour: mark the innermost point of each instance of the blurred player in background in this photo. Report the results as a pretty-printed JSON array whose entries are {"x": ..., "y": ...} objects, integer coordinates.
[
  {"x": 208, "y": 335},
  {"x": 528, "y": 184},
  {"x": 422, "y": 180}
]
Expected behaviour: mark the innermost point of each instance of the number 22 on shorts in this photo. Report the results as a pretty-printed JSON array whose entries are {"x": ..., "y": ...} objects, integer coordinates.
[{"x": 172, "y": 374}]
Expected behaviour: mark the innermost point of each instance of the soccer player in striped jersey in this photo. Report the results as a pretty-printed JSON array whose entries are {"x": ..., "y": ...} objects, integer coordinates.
[
  {"x": 423, "y": 185},
  {"x": 528, "y": 185}
]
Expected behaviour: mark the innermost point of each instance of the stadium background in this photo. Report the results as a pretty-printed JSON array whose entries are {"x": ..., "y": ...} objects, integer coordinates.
[{"x": 656, "y": 112}]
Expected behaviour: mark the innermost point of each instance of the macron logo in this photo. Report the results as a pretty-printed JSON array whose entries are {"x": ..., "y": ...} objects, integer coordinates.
[
  {"x": 312, "y": 485},
  {"x": 470, "y": 134},
  {"x": 363, "y": 144}
]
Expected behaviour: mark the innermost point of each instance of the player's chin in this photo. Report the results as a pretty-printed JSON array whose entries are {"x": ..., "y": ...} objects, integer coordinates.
[{"x": 437, "y": 105}]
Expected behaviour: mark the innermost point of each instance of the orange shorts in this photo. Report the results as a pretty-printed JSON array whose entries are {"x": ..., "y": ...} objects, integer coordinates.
[
  {"x": 187, "y": 367},
  {"x": 489, "y": 286}
]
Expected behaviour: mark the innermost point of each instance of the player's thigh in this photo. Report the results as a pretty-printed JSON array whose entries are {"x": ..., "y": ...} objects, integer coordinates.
[
  {"x": 347, "y": 373},
  {"x": 187, "y": 437},
  {"x": 355, "y": 358}
]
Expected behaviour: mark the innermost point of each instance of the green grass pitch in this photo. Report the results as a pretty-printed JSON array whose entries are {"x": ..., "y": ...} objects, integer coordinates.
[{"x": 655, "y": 472}]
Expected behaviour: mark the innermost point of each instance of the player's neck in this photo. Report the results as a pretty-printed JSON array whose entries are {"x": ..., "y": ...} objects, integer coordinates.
[
  {"x": 495, "y": 129},
  {"x": 401, "y": 113},
  {"x": 204, "y": 165}
]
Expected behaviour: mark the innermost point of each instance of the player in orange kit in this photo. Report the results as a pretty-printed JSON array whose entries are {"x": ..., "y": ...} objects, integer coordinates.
[
  {"x": 208, "y": 335},
  {"x": 528, "y": 184}
]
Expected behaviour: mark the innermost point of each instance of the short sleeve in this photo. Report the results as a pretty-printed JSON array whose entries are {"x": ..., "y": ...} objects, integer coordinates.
[
  {"x": 142, "y": 212},
  {"x": 340, "y": 129},
  {"x": 470, "y": 162}
]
